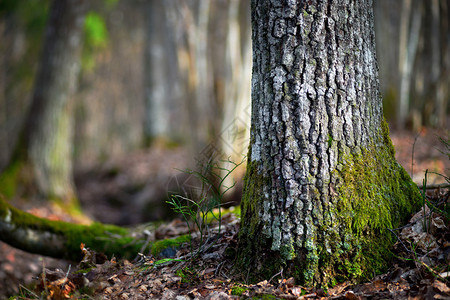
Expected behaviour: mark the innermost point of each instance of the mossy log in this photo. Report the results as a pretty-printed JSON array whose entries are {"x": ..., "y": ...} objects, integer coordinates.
[{"x": 62, "y": 239}]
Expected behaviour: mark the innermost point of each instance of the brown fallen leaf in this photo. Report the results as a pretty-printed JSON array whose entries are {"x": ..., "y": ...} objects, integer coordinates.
[
  {"x": 296, "y": 291},
  {"x": 441, "y": 287},
  {"x": 351, "y": 296}
]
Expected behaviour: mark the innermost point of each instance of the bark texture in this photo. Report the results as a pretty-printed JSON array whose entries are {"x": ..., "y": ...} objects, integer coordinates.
[
  {"x": 46, "y": 142},
  {"x": 322, "y": 182}
]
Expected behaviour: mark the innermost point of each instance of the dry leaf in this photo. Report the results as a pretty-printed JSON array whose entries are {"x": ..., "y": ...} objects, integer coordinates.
[
  {"x": 441, "y": 287},
  {"x": 351, "y": 296},
  {"x": 296, "y": 291}
]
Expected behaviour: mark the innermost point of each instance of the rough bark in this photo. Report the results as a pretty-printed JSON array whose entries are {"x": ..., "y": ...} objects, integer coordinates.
[
  {"x": 322, "y": 183},
  {"x": 46, "y": 140}
]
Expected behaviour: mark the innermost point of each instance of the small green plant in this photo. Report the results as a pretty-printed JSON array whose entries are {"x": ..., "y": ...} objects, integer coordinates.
[
  {"x": 238, "y": 290},
  {"x": 446, "y": 151},
  {"x": 165, "y": 261},
  {"x": 208, "y": 203},
  {"x": 442, "y": 208},
  {"x": 187, "y": 275},
  {"x": 265, "y": 297}
]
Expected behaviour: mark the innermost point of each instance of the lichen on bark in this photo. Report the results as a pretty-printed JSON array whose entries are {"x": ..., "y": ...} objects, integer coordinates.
[{"x": 322, "y": 183}]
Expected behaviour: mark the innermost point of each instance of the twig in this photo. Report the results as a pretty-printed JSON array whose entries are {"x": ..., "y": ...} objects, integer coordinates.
[
  {"x": 412, "y": 153},
  {"x": 434, "y": 186},
  {"x": 147, "y": 241},
  {"x": 31, "y": 292},
  {"x": 430, "y": 270},
  {"x": 279, "y": 273},
  {"x": 44, "y": 280},
  {"x": 66, "y": 278},
  {"x": 401, "y": 242}
]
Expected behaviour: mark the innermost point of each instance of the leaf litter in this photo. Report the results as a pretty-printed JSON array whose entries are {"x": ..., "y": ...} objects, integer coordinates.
[{"x": 420, "y": 269}]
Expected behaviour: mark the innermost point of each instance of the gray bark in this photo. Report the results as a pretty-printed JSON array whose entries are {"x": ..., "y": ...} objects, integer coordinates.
[
  {"x": 163, "y": 88},
  {"x": 409, "y": 39},
  {"x": 236, "y": 110},
  {"x": 410, "y": 35},
  {"x": 317, "y": 138},
  {"x": 48, "y": 131}
]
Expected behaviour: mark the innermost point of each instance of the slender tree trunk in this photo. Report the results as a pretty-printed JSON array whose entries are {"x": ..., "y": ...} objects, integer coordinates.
[
  {"x": 3, "y": 112},
  {"x": 46, "y": 140},
  {"x": 409, "y": 39},
  {"x": 235, "y": 129},
  {"x": 387, "y": 23},
  {"x": 322, "y": 183},
  {"x": 437, "y": 66},
  {"x": 163, "y": 82},
  {"x": 236, "y": 106}
]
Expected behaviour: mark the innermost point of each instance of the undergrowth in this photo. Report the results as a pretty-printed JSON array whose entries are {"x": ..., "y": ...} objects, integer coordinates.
[{"x": 198, "y": 208}]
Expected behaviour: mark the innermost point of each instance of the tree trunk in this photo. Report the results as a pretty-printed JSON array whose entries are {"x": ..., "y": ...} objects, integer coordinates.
[
  {"x": 46, "y": 140},
  {"x": 322, "y": 183},
  {"x": 409, "y": 39},
  {"x": 164, "y": 93},
  {"x": 236, "y": 105}
]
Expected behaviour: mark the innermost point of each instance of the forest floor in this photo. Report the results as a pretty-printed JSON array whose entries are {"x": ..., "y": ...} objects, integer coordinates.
[{"x": 122, "y": 190}]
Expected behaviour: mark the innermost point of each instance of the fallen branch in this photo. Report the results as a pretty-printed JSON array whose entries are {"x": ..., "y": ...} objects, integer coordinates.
[{"x": 62, "y": 239}]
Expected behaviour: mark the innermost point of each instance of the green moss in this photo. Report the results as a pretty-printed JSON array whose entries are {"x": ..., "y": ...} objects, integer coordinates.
[
  {"x": 253, "y": 241},
  {"x": 375, "y": 193},
  {"x": 175, "y": 243},
  {"x": 110, "y": 239},
  {"x": 330, "y": 140},
  {"x": 372, "y": 193},
  {"x": 238, "y": 290},
  {"x": 187, "y": 275},
  {"x": 8, "y": 179},
  {"x": 265, "y": 297}
]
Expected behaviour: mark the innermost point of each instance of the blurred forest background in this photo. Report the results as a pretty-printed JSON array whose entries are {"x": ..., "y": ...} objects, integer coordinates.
[{"x": 177, "y": 73}]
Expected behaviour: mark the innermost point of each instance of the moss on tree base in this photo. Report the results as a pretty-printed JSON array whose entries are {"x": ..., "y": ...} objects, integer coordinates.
[{"x": 372, "y": 194}]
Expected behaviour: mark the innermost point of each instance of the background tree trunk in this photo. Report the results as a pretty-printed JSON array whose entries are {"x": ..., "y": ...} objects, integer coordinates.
[
  {"x": 235, "y": 129},
  {"x": 412, "y": 49},
  {"x": 164, "y": 95},
  {"x": 45, "y": 146},
  {"x": 322, "y": 183},
  {"x": 409, "y": 39}
]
